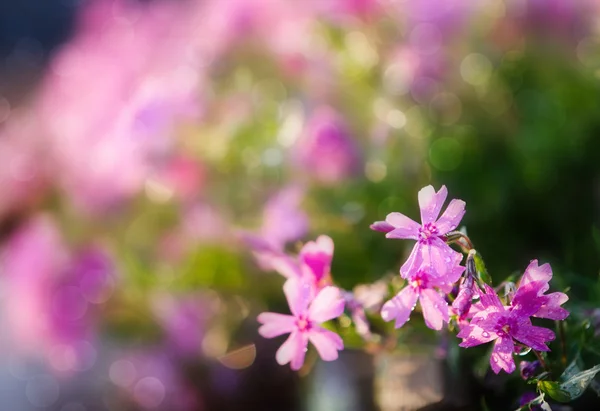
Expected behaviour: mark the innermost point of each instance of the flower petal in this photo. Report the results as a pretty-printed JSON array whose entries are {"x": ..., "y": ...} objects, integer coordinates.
[
  {"x": 526, "y": 301},
  {"x": 404, "y": 227},
  {"x": 400, "y": 307},
  {"x": 490, "y": 299},
  {"x": 532, "y": 336},
  {"x": 293, "y": 350},
  {"x": 381, "y": 226},
  {"x": 442, "y": 260},
  {"x": 537, "y": 274},
  {"x": 412, "y": 263},
  {"x": 326, "y": 342},
  {"x": 328, "y": 304},
  {"x": 450, "y": 219},
  {"x": 284, "y": 265},
  {"x": 551, "y": 308},
  {"x": 298, "y": 294},
  {"x": 274, "y": 324},
  {"x": 502, "y": 358},
  {"x": 473, "y": 335},
  {"x": 316, "y": 257},
  {"x": 431, "y": 203},
  {"x": 435, "y": 309}
]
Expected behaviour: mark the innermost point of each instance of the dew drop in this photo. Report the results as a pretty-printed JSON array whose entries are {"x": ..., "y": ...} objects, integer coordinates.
[{"x": 485, "y": 334}]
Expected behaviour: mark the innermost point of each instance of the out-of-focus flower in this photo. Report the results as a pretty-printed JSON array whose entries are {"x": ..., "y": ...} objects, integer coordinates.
[
  {"x": 312, "y": 265},
  {"x": 182, "y": 177},
  {"x": 504, "y": 325},
  {"x": 530, "y": 298},
  {"x": 32, "y": 259},
  {"x": 429, "y": 234},
  {"x": 422, "y": 284},
  {"x": 152, "y": 380},
  {"x": 528, "y": 368},
  {"x": 283, "y": 219},
  {"x": 365, "y": 298},
  {"x": 326, "y": 150},
  {"x": 51, "y": 295},
  {"x": 183, "y": 320},
  {"x": 106, "y": 141},
  {"x": 304, "y": 324},
  {"x": 283, "y": 222}
]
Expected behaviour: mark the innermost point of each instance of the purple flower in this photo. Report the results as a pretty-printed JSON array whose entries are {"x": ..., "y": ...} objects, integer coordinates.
[
  {"x": 527, "y": 398},
  {"x": 304, "y": 324},
  {"x": 503, "y": 324},
  {"x": 429, "y": 234},
  {"x": 421, "y": 286},
  {"x": 530, "y": 299},
  {"x": 528, "y": 368}
]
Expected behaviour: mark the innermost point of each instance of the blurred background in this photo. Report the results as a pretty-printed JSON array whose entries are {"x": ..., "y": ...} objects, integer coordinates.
[{"x": 142, "y": 140}]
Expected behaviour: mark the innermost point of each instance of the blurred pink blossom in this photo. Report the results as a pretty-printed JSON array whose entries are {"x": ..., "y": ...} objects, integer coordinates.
[
  {"x": 326, "y": 149},
  {"x": 50, "y": 295},
  {"x": 109, "y": 100},
  {"x": 153, "y": 380}
]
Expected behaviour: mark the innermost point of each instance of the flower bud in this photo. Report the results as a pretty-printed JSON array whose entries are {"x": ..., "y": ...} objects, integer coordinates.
[{"x": 528, "y": 369}]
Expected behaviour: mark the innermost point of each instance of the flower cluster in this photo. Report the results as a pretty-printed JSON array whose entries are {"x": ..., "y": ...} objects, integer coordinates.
[
  {"x": 433, "y": 268},
  {"x": 434, "y": 277}
]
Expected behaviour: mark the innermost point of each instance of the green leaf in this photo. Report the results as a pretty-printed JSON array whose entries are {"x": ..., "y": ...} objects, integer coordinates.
[
  {"x": 575, "y": 383},
  {"x": 482, "y": 272},
  {"x": 554, "y": 390}
]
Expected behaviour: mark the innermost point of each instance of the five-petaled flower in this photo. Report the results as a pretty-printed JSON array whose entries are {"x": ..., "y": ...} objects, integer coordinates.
[
  {"x": 422, "y": 284},
  {"x": 429, "y": 234},
  {"x": 304, "y": 324},
  {"x": 505, "y": 325}
]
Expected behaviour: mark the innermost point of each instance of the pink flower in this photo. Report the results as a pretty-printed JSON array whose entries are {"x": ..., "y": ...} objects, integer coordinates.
[
  {"x": 304, "y": 323},
  {"x": 284, "y": 220},
  {"x": 312, "y": 266},
  {"x": 422, "y": 286},
  {"x": 530, "y": 299},
  {"x": 429, "y": 234},
  {"x": 505, "y": 325},
  {"x": 326, "y": 150}
]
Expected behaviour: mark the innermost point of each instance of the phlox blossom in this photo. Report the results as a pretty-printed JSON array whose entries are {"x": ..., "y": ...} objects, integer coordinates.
[
  {"x": 429, "y": 234},
  {"x": 504, "y": 325},
  {"x": 422, "y": 284},
  {"x": 304, "y": 324}
]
